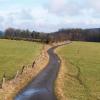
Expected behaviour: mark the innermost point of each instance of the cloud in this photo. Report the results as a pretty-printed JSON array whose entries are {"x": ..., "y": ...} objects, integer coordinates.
[
  {"x": 57, "y": 5},
  {"x": 38, "y": 18},
  {"x": 65, "y": 7},
  {"x": 75, "y": 7},
  {"x": 95, "y": 4},
  {"x": 52, "y": 16}
]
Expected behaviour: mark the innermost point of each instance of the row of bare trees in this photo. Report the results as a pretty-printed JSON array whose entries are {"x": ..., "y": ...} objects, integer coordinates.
[
  {"x": 61, "y": 35},
  {"x": 18, "y": 34},
  {"x": 92, "y": 35}
]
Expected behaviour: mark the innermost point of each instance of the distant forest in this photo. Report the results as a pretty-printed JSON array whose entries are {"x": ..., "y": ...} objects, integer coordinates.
[{"x": 91, "y": 35}]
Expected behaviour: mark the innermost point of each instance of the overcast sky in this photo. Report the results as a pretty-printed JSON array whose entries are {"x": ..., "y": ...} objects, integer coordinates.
[{"x": 49, "y": 15}]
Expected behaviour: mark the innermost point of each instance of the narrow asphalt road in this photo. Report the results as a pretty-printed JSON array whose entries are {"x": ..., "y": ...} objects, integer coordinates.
[{"x": 42, "y": 86}]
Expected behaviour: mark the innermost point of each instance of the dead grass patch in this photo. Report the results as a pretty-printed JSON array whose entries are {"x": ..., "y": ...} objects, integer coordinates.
[{"x": 60, "y": 82}]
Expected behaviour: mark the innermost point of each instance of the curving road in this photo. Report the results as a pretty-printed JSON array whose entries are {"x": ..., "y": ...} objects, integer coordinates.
[{"x": 42, "y": 87}]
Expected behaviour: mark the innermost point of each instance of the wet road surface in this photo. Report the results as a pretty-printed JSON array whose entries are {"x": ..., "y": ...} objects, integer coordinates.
[{"x": 42, "y": 86}]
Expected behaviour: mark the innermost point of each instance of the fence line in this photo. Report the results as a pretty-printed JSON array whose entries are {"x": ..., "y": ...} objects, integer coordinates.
[{"x": 25, "y": 68}]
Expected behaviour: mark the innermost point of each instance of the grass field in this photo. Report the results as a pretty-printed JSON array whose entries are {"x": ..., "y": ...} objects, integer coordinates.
[
  {"x": 82, "y": 70},
  {"x": 15, "y": 54}
]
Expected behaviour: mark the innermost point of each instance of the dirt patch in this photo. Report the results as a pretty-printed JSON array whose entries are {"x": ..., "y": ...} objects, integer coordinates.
[{"x": 10, "y": 88}]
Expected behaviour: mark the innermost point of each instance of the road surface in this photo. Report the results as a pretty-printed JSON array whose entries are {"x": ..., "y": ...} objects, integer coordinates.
[{"x": 42, "y": 86}]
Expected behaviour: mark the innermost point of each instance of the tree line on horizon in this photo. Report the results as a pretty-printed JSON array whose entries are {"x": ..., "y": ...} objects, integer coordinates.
[{"x": 91, "y": 35}]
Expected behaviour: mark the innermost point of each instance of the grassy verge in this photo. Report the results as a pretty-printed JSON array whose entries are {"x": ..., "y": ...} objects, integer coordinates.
[{"x": 79, "y": 77}]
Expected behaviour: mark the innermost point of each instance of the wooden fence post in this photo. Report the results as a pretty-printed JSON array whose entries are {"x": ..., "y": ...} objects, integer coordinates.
[
  {"x": 22, "y": 69},
  {"x": 33, "y": 64},
  {"x": 3, "y": 80}
]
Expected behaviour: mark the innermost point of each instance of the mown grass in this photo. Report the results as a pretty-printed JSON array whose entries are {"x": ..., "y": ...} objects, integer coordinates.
[
  {"x": 82, "y": 70},
  {"x": 15, "y": 54}
]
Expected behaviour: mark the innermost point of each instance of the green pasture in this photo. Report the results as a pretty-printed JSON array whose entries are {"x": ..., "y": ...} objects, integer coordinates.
[
  {"x": 15, "y": 54},
  {"x": 82, "y": 70}
]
